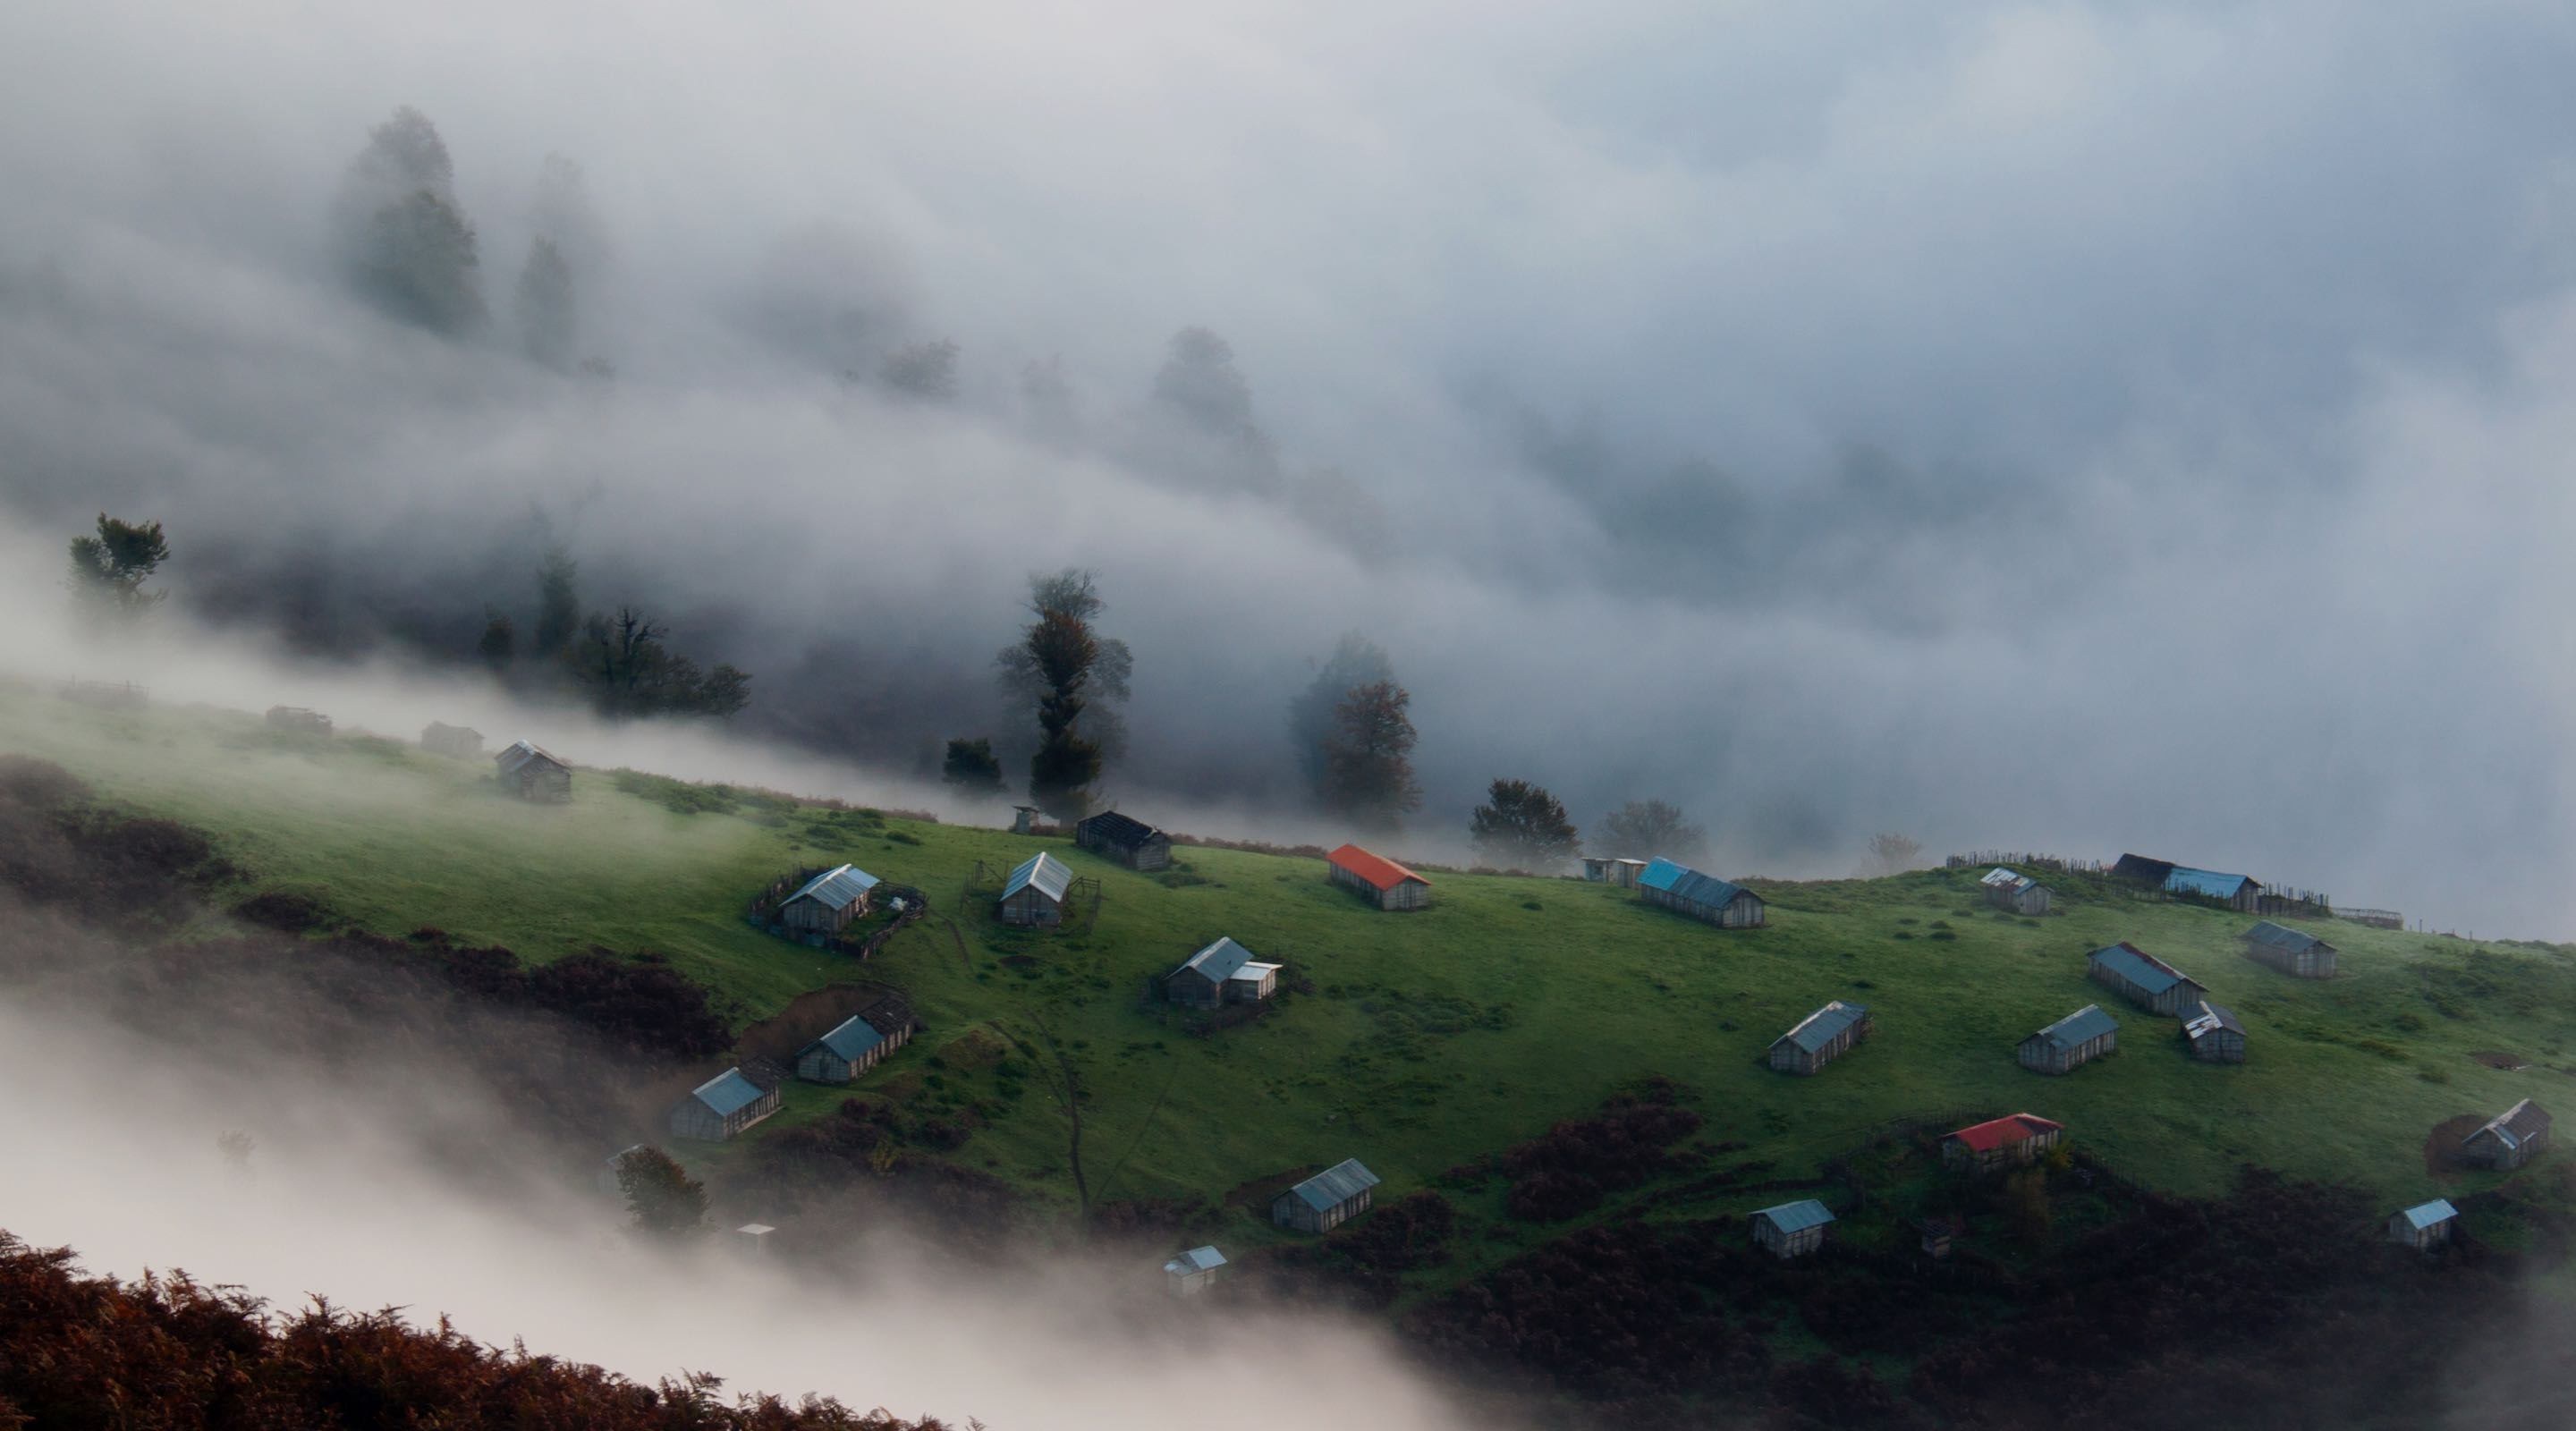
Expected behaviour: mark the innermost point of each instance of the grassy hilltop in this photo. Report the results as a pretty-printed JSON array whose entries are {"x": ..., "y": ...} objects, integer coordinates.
[{"x": 1416, "y": 1041}]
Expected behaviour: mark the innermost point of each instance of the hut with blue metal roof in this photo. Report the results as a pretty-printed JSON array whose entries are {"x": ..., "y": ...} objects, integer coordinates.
[
  {"x": 1034, "y": 895},
  {"x": 857, "y": 1043},
  {"x": 722, "y": 1107},
  {"x": 2235, "y": 890},
  {"x": 2145, "y": 980},
  {"x": 1703, "y": 897},
  {"x": 2426, "y": 1225},
  {"x": 2075, "y": 1040},
  {"x": 1326, "y": 1200},
  {"x": 1820, "y": 1037},
  {"x": 1193, "y": 1271},
  {"x": 1793, "y": 1229},
  {"x": 2299, "y": 955},
  {"x": 1223, "y": 973},
  {"x": 826, "y": 904}
]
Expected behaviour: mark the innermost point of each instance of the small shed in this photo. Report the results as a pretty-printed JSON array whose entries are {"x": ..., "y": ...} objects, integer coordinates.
[
  {"x": 2300, "y": 955},
  {"x": 1793, "y": 1229},
  {"x": 2214, "y": 1034},
  {"x": 1603, "y": 870},
  {"x": 1703, "y": 897},
  {"x": 2075, "y": 1040},
  {"x": 462, "y": 742},
  {"x": 754, "y": 1239},
  {"x": 722, "y": 1107},
  {"x": 1326, "y": 1200},
  {"x": 1379, "y": 880},
  {"x": 2426, "y": 1225},
  {"x": 2009, "y": 1141},
  {"x": 1820, "y": 1037},
  {"x": 1193, "y": 1271},
  {"x": 2510, "y": 1140},
  {"x": 2145, "y": 980},
  {"x": 1034, "y": 894},
  {"x": 2018, "y": 893},
  {"x": 296, "y": 720},
  {"x": 1223, "y": 973},
  {"x": 825, "y": 905},
  {"x": 1129, "y": 841},
  {"x": 857, "y": 1043},
  {"x": 607, "y": 1180},
  {"x": 1936, "y": 1236},
  {"x": 529, "y": 772}
]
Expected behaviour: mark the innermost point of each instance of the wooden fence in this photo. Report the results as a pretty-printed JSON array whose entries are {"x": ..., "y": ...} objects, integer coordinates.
[
  {"x": 913, "y": 905},
  {"x": 2061, "y": 863}
]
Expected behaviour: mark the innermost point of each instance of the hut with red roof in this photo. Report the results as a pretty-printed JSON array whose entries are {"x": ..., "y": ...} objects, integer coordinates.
[
  {"x": 1379, "y": 880},
  {"x": 2002, "y": 1142}
]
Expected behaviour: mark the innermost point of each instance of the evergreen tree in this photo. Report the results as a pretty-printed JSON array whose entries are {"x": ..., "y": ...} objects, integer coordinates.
[
  {"x": 499, "y": 644},
  {"x": 972, "y": 767},
  {"x": 1064, "y": 671},
  {"x": 418, "y": 263},
  {"x": 108, "y": 569},
  {"x": 1521, "y": 826}
]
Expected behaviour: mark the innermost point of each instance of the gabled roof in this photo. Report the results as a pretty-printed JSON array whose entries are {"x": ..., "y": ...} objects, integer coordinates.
[
  {"x": 1044, "y": 873},
  {"x": 836, "y": 888},
  {"x": 2428, "y": 1214},
  {"x": 1126, "y": 832},
  {"x": 890, "y": 1015},
  {"x": 2209, "y": 1020},
  {"x": 1683, "y": 882},
  {"x": 2516, "y": 1125},
  {"x": 1376, "y": 871},
  {"x": 1797, "y": 1216},
  {"x": 2081, "y": 1026},
  {"x": 1335, "y": 1185},
  {"x": 2002, "y": 1132},
  {"x": 2001, "y": 876},
  {"x": 519, "y": 753},
  {"x": 2211, "y": 883},
  {"x": 2141, "y": 968},
  {"x": 1219, "y": 961},
  {"x": 1197, "y": 1259},
  {"x": 849, "y": 1040},
  {"x": 727, "y": 1093},
  {"x": 2281, "y": 937},
  {"x": 1824, "y": 1025},
  {"x": 2146, "y": 868}
]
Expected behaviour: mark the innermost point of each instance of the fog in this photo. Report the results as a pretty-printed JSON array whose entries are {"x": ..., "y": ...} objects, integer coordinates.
[{"x": 2080, "y": 428}]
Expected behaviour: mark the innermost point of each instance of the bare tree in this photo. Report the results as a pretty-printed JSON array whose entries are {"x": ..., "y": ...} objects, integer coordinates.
[{"x": 1894, "y": 854}]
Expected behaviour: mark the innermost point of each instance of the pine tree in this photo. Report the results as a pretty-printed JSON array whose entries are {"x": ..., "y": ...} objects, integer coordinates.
[{"x": 1521, "y": 826}]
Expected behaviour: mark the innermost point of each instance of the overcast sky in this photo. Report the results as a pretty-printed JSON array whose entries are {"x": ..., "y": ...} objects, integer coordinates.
[{"x": 2081, "y": 427}]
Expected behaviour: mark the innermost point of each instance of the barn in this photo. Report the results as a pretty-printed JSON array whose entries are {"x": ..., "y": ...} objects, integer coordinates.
[
  {"x": 2302, "y": 956},
  {"x": 299, "y": 721},
  {"x": 1326, "y": 1200},
  {"x": 530, "y": 773},
  {"x": 1223, "y": 973},
  {"x": 824, "y": 905},
  {"x": 722, "y": 1107},
  {"x": 1703, "y": 897},
  {"x": 1192, "y": 1272},
  {"x": 2001, "y": 1142},
  {"x": 2018, "y": 893},
  {"x": 2514, "y": 1138},
  {"x": 1035, "y": 892},
  {"x": 2214, "y": 1034},
  {"x": 1622, "y": 873},
  {"x": 462, "y": 742},
  {"x": 1379, "y": 880},
  {"x": 1793, "y": 1229},
  {"x": 2145, "y": 980},
  {"x": 2077, "y": 1039},
  {"x": 1129, "y": 841},
  {"x": 857, "y": 1043},
  {"x": 1820, "y": 1038},
  {"x": 2426, "y": 1225}
]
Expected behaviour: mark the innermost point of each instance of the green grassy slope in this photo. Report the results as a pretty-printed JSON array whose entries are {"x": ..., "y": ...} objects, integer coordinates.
[{"x": 1428, "y": 1038}]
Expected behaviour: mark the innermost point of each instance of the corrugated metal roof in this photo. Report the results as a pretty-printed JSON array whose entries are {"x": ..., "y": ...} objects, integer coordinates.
[
  {"x": 2081, "y": 1026},
  {"x": 2282, "y": 937},
  {"x": 1797, "y": 1216},
  {"x": 2000, "y": 876},
  {"x": 519, "y": 753},
  {"x": 1255, "y": 970},
  {"x": 1219, "y": 961},
  {"x": 1124, "y": 831},
  {"x": 2141, "y": 968},
  {"x": 1197, "y": 1259},
  {"x": 2516, "y": 1125},
  {"x": 836, "y": 888},
  {"x": 1377, "y": 870},
  {"x": 1335, "y": 1185},
  {"x": 2211, "y": 883},
  {"x": 2210, "y": 1019},
  {"x": 727, "y": 1093},
  {"x": 2011, "y": 1128},
  {"x": 2427, "y": 1214},
  {"x": 1824, "y": 1025},
  {"x": 1683, "y": 882},
  {"x": 851, "y": 1039},
  {"x": 1044, "y": 872}
]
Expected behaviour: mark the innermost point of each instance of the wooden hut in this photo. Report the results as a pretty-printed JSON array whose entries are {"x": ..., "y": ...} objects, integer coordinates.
[
  {"x": 1703, "y": 897},
  {"x": 296, "y": 720},
  {"x": 1129, "y": 841},
  {"x": 2018, "y": 893},
  {"x": 754, "y": 1239},
  {"x": 2009, "y": 1141},
  {"x": 2145, "y": 980},
  {"x": 857, "y": 1043},
  {"x": 1326, "y": 1200},
  {"x": 2214, "y": 1034},
  {"x": 1379, "y": 880},
  {"x": 2302, "y": 956},
  {"x": 1604, "y": 870},
  {"x": 462, "y": 742},
  {"x": 532, "y": 774},
  {"x": 1223, "y": 973},
  {"x": 2426, "y": 1225},
  {"x": 2236, "y": 891},
  {"x": 2512, "y": 1139},
  {"x": 826, "y": 904},
  {"x": 1793, "y": 1229},
  {"x": 2075, "y": 1040},
  {"x": 1192, "y": 1272},
  {"x": 1034, "y": 895},
  {"x": 722, "y": 1107},
  {"x": 1820, "y": 1037}
]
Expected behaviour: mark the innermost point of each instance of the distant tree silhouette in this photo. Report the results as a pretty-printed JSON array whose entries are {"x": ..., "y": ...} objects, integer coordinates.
[
  {"x": 1894, "y": 854},
  {"x": 1369, "y": 764},
  {"x": 972, "y": 767},
  {"x": 1645, "y": 829},
  {"x": 662, "y": 1200},
  {"x": 1063, "y": 670},
  {"x": 1313, "y": 718},
  {"x": 630, "y": 672},
  {"x": 558, "y": 603},
  {"x": 108, "y": 569},
  {"x": 498, "y": 646},
  {"x": 1522, "y": 826},
  {"x": 547, "y": 314}
]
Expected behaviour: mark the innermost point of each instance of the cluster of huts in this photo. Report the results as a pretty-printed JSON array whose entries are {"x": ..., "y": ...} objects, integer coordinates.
[
  {"x": 724, "y": 1106},
  {"x": 1316, "y": 1204}
]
